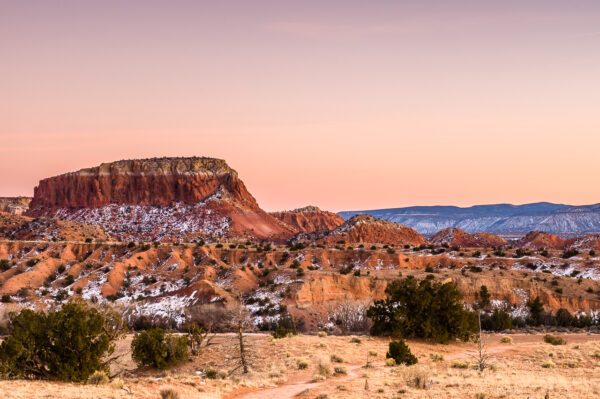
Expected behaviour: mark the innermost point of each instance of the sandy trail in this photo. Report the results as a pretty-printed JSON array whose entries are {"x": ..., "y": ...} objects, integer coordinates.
[{"x": 293, "y": 389}]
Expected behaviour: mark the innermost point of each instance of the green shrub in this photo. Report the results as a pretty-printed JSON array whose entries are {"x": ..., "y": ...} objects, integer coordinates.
[
  {"x": 302, "y": 364},
  {"x": 69, "y": 344},
  {"x": 285, "y": 326},
  {"x": 422, "y": 309},
  {"x": 336, "y": 358},
  {"x": 211, "y": 374},
  {"x": 553, "y": 340},
  {"x": 283, "y": 332},
  {"x": 506, "y": 340},
  {"x": 169, "y": 394},
  {"x": 6, "y": 298},
  {"x": 340, "y": 370},
  {"x": 461, "y": 365},
  {"x": 355, "y": 340},
  {"x": 323, "y": 369},
  {"x": 98, "y": 378},
  {"x": 69, "y": 280},
  {"x": 569, "y": 253},
  {"x": 548, "y": 364},
  {"x": 154, "y": 348},
  {"x": 400, "y": 352},
  {"x": 4, "y": 265}
]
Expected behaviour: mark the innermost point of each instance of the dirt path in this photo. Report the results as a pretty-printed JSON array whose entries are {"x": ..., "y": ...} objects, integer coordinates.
[{"x": 291, "y": 390}]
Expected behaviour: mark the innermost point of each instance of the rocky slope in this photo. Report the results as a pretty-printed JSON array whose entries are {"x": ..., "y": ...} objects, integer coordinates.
[
  {"x": 498, "y": 219},
  {"x": 14, "y": 205},
  {"x": 538, "y": 239},
  {"x": 163, "y": 281},
  {"x": 309, "y": 219},
  {"x": 456, "y": 237},
  {"x": 362, "y": 229},
  {"x": 17, "y": 227},
  {"x": 158, "y": 199},
  {"x": 590, "y": 241}
]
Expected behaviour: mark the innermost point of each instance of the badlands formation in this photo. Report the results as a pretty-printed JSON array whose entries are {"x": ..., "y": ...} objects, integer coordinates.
[
  {"x": 158, "y": 236},
  {"x": 170, "y": 240}
]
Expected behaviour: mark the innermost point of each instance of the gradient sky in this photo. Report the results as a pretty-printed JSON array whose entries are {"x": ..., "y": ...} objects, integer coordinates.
[{"x": 340, "y": 104}]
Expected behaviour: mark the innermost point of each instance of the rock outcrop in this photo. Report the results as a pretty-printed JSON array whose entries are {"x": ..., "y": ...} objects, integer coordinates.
[
  {"x": 366, "y": 229},
  {"x": 309, "y": 219},
  {"x": 590, "y": 241},
  {"x": 158, "y": 199},
  {"x": 14, "y": 205},
  {"x": 456, "y": 237},
  {"x": 155, "y": 182},
  {"x": 538, "y": 239}
]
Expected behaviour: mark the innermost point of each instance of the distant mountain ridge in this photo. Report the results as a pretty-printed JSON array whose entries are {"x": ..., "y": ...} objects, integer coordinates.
[{"x": 558, "y": 219}]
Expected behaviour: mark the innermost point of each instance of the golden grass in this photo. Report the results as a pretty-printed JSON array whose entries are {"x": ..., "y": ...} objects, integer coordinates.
[{"x": 518, "y": 372}]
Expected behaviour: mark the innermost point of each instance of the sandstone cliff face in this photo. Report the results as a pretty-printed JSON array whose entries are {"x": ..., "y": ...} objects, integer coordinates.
[
  {"x": 155, "y": 182},
  {"x": 158, "y": 199},
  {"x": 366, "y": 229},
  {"x": 14, "y": 205},
  {"x": 309, "y": 219},
  {"x": 456, "y": 237}
]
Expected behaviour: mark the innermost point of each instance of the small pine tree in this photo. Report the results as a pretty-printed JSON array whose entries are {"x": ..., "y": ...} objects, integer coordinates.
[
  {"x": 484, "y": 297},
  {"x": 400, "y": 352},
  {"x": 422, "y": 309},
  {"x": 69, "y": 344},
  {"x": 536, "y": 310}
]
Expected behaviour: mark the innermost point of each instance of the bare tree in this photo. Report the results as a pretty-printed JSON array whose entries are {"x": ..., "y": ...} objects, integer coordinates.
[
  {"x": 481, "y": 357},
  {"x": 350, "y": 315},
  {"x": 242, "y": 322},
  {"x": 211, "y": 317}
]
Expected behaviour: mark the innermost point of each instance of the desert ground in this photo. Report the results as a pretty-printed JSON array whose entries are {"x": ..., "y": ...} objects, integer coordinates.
[{"x": 525, "y": 368}]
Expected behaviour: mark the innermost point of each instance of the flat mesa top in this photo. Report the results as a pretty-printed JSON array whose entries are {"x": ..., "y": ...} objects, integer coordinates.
[{"x": 166, "y": 165}]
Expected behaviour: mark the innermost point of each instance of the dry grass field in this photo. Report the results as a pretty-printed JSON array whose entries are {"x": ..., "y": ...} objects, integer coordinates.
[{"x": 525, "y": 368}]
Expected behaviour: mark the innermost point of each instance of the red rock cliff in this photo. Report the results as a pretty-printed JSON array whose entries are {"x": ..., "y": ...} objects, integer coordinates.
[
  {"x": 366, "y": 229},
  {"x": 309, "y": 219},
  {"x": 158, "y": 199},
  {"x": 456, "y": 237},
  {"x": 155, "y": 182}
]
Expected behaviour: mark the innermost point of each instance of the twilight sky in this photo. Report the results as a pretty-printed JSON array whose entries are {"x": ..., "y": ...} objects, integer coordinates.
[{"x": 340, "y": 104}]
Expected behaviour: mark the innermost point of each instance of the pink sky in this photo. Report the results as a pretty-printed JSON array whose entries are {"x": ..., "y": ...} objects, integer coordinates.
[{"x": 340, "y": 104}]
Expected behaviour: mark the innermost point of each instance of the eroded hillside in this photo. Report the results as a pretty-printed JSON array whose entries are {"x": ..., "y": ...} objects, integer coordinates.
[{"x": 161, "y": 281}]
